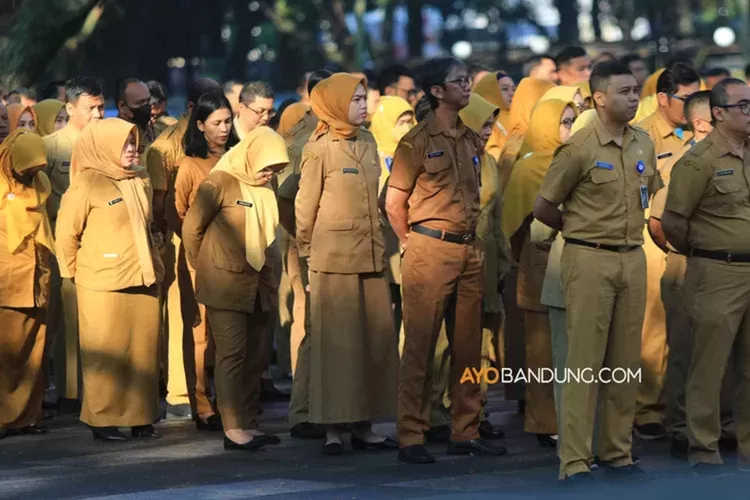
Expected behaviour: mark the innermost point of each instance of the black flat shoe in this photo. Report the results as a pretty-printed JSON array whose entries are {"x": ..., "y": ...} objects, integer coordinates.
[
  {"x": 475, "y": 447},
  {"x": 415, "y": 454},
  {"x": 212, "y": 423},
  {"x": 360, "y": 444},
  {"x": 108, "y": 434},
  {"x": 252, "y": 445},
  {"x": 29, "y": 430},
  {"x": 332, "y": 449},
  {"x": 487, "y": 431},
  {"x": 306, "y": 430},
  {"x": 144, "y": 431},
  {"x": 546, "y": 441}
]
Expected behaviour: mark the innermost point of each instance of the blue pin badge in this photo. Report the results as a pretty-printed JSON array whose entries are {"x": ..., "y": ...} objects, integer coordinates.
[
  {"x": 640, "y": 167},
  {"x": 389, "y": 162}
]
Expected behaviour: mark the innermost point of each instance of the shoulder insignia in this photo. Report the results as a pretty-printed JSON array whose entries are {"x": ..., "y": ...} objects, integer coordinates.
[
  {"x": 309, "y": 155},
  {"x": 692, "y": 164},
  {"x": 406, "y": 144}
]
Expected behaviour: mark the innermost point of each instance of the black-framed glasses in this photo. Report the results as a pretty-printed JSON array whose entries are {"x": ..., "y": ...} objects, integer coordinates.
[
  {"x": 744, "y": 107},
  {"x": 568, "y": 123},
  {"x": 679, "y": 97},
  {"x": 464, "y": 81}
]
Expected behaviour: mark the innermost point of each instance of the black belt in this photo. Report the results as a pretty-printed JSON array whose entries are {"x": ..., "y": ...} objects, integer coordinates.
[
  {"x": 444, "y": 235},
  {"x": 723, "y": 256},
  {"x": 600, "y": 246}
]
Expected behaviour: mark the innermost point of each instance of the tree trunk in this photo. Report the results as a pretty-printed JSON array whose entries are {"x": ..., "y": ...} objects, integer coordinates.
[
  {"x": 596, "y": 23},
  {"x": 568, "y": 30},
  {"x": 241, "y": 41},
  {"x": 415, "y": 29},
  {"x": 390, "y": 7}
]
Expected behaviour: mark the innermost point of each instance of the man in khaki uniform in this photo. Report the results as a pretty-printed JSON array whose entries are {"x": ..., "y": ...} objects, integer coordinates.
[
  {"x": 161, "y": 162},
  {"x": 670, "y": 133},
  {"x": 255, "y": 108},
  {"x": 433, "y": 206},
  {"x": 85, "y": 102},
  {"x": 287, "y": 192},
  {"x": 604, "y": 178},
  {"x": 679, "y": 338},
  {"x": 133, "y": 101},
  {"x": 707, "y": 217}
]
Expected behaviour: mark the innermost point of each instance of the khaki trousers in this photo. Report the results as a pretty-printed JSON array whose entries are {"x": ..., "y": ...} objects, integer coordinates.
[
  {"x": 299, "y": 404},
  {"x": 298, "y": 306},
  {"x": 718, "y": 298},
  {"x": 173, "y": 328},
  {"x": 441, "y": 281},
  {"x": 63, "y": 321},
  {"x": 514, "y": 346},
  {"x": 605, "y": 296},
  {"x": 540, "y": 416}
]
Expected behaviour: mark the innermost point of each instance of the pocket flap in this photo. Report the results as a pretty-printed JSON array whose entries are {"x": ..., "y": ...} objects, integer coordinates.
[
  {"x": 229, "y": 265},
  {"x": 726, "y": 187},
  {"x": 338, "y": 224},
  {"x": 602, "y": 176},
  {"x": 438, "y": 164},
  {"x": 62, "y": 166}
]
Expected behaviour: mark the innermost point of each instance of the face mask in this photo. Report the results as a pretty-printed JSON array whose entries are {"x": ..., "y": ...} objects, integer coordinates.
[
  {"x": 142, "y": 115},
  {"x": 399, "y": 131}
]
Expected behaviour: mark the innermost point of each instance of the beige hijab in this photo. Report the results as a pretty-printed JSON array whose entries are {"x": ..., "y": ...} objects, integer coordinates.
[
  {"x": 99, "y": 148},
  {"x": 259, "y": 149}
]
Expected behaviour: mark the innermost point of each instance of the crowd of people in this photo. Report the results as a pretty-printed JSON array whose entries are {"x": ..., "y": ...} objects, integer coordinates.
[{"x": 399, "y": 229}]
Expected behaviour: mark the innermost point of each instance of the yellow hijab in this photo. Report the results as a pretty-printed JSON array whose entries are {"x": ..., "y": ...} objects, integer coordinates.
[
  {"x": 562, "y": 93},
  {"x": 14, "y": 114},
  {"x": 649, "y": 86},
  {"x": 489, "y": 89},
  {"x": 646, "y": 107},
  {"x": 330, "y": 101},
  {"x": 259, "y": 149},
  {"x": 46, "y": 112},
  {"x": 24, "y": 206},
  {"x": 99, "y": 148},
  {"x": 475, "y": 115},
  {"x": 583, "y": 119},
  {"x": 291, "y": 116},
  {"x": 528, "y": 93},
  {"x": 543, "y": 138},
  {"x": 384, "y": 119}
]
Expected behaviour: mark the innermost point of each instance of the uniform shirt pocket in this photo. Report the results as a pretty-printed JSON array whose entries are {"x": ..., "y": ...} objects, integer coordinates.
[
  {"x": 228, "y": 265},
  {"x": 603, "y": 175},
  {"x": 723, "y": 195},
  {"x": 337, "y": 224},
  {"x": 437, "y": 164}
]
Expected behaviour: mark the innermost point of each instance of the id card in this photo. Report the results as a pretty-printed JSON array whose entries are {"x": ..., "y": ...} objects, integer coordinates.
[{"x": 644, "y": 197}]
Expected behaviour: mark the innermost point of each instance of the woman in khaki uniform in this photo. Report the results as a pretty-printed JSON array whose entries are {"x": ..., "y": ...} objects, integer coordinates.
[
  {"x": 208, "y": 136},
  {"x": 549, "y": 127},
  {"x": 20, "y": 116},
  {"x": 354, "y": 366},
  {"x": 51, "y": 116},
  {"x": 392, "y": 119},
  {"x": 229, "y": 234},
  {"x": 498, "y": 88},
  {"x": 104, "y": 243},
  {"x": 26, "y": 244}
]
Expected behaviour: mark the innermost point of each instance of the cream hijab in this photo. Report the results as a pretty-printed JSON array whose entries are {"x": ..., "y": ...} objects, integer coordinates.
[
  {"x": 99, "y": 148},
  {"x": 259, "y": 149}
]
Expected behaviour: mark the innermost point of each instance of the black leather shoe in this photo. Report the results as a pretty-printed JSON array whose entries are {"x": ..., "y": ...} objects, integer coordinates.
[
  {"x": 212, "y": 423},
  {"x": 546, "y": 441},
  {"x": 475, "y": 447},
  {"x": 331, "y": 449},
  {"x": 487, "y": 431},
  {"x": 415, "y": 454},
  {"x": 144, "y": 431},
  {"x": 306, "y": 430},
  {"x": 270, "y": 393},
  {"x": 631, "y": 471},
  {"x": 29, "y": 430},
  {"x": 252, "y": 445},
  {"x": 360, "y": 444},
  {"x": 438, "y": 434},
  {"x": 582, "y": 479},
  {"x": 108, "y": 434}
]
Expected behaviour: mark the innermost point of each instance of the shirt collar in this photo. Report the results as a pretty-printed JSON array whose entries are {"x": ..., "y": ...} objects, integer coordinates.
[
  {"x": 435, "y": 127},
  {"x": 723, "y": 146},
  {"x": 605, "y": 137},
  {"x": 665, "y": 129}
]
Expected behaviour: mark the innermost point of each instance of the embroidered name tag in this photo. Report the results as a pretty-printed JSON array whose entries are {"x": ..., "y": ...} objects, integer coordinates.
[
  {"x": 350, "y": 170},
  {"x": 110, "y": 255},
  {"x": 114, "y": 202},
  {"x": 436, "y": 154},
  {"x": 244, "y": 203},
  {"x": 604, "y": 165},
  {"x": 664, "y": 155},
  {"x": 66, "y": 164},
  {"x": 722, "y": 173}
]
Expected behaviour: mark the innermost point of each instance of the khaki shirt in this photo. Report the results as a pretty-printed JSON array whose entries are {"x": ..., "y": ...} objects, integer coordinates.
[
  {"x": 441, "y": 173},
  {"x": 296, "y": 139},
  {"x": 25, "y": 275},
  {"x": 709, "y": 186},
  {"x": 214, "y": 237},
  {"x": 162, "y": 159},
  {"x": 94, "y": 237},
  {"x": 190, "y": 173},
  {"x": 59, "y": 152},
  {"x": 667, "y": 143},
  {"x": 338, "y": 220},
  {"x": 598, "y": 184},
  {"x": 162, "y": 123},
  {"x": 660, "y": 198}
]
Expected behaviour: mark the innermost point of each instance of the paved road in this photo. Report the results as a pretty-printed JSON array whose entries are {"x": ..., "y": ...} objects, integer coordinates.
[{"x": 184, "y": 463}]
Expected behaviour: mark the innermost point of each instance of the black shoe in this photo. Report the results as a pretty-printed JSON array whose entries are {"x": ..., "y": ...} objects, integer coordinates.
[
  {"x": 332, "y": 448},
  {"x": 360, "y": 444},
  {"x": 679, "y": 447},
  {"x": 270, "y": 393},
  {"x": 29, "y": 430},
  {"x": 144, "y": 431},
  {"x": 581, "y": 479},
  {"x": 475, "y": 447},
  {"x": 306, "y": 430},
  {"x": 179, "y": 412},
  {"x": 596, "y": 463},
  {"x": 710, "y": 470},
  {"x": 547, "y": 440},
  {"x": 438, "y": 434},
  {"x": 255, "y": 443},
  {"x": 108, "y": 434},
  {"x": 415, "y": 454},
  {"x": 487, "y": 431},
  {"x": 631, "y": 471},
  {"x": 649, "y": 432},
  {"x": 212, "y": 423},
  {"x": 727, "y": 443}
]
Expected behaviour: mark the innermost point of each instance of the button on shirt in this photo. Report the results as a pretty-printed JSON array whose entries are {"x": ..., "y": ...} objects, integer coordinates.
[{"x": 599, "y": 184}]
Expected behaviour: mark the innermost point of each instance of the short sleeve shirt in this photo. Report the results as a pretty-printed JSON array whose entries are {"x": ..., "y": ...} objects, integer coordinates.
[
  {"x": 59, "y": 152},
  {"x": 668, "y": 142},
  {"x": 296, "y": 139}
]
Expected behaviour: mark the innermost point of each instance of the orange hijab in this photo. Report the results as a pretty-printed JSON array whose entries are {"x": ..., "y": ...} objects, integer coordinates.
[
  {"x": 488, "y": 88},
  {"x": 14, "y": 114},
  {"x": 528, "y": 93},
  {"x": 330, "y": 101},
  {"x": 291, "y": 116}
]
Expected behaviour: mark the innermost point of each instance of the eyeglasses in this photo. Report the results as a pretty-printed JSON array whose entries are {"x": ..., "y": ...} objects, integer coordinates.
[
  {"x": 270, "y": 112},
  {"x": 744, "y": 107},
  {"x": 682, "y": 98},
  {"x": 568, "y": 123},
  {"x": 408, "y": 92},
  {"x": 464, "y": 81}
]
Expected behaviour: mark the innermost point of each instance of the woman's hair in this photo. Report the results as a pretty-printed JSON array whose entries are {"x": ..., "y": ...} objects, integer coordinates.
[
  {"x": 435, "y": 72},
  {"x": 194, "y": 141},
  {"x": 422, "y": 109}
]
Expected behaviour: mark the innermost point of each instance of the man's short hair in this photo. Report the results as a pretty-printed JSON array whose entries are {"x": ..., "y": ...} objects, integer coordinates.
[
  {"x": 254, "y": 90},
  {"x": 720, "y": 96},
  {"x": 80, "y": 85},
  {"x": 534, "y": 62},
  {"x": 568, "y": 54},
  {"x": 14, "y": 96},
  {"x": 52, "y": 89},
  {"x": 475, "y": 69},
  {"x": 121, "y": 86},
  {"x": 158, "y": 91},
  {"x": 316, "y": 77},
  {"x": 201, "y": 86},
  {"x": 628, "y": 59},
  {"x": 674, "y": 76},
  {"x": 747, "y": 71},
  {"x": 712, "y": 72},
  {"x": 391, "y": 75},
  {"x": 603, "y": 73},
  {"x": 229, "y": 86},
  {"x": 692, "y": 103}
]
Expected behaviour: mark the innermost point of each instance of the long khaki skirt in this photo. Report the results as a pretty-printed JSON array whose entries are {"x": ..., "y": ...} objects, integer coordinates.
[
  {"x": 22, "y": 338},
  {"x": 354, "y": 349},
  {"x": 119, "y": 356}
]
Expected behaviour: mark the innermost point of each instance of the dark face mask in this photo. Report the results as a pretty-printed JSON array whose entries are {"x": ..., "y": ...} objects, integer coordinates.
[{"x": 142, "y": 115}]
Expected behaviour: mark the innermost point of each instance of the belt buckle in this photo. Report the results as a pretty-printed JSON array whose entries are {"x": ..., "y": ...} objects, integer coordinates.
[
  {"x": 729, "y": 257},
  {"x": 466, "y": 237},
  {"x": 623, "y": 249}
]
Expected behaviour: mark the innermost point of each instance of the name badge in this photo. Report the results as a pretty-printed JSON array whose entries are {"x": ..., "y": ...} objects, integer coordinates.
[
  {"x": 664, "y": 155},
  {"x": 644, "y": 197},
  {"x": 350, "y": 170},
  {"x": 389, "y": 162},
  {"x": 66, "y": 164},
  {"x": 244, "y": 203},
  {"x": 722, "y": 173},
  {"x": 114, "y": 202},
  {"x": 436, "y": 154},
  {"x": 604, "y": 165}
]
